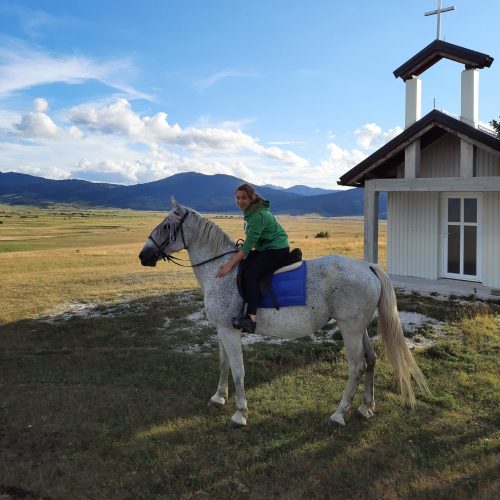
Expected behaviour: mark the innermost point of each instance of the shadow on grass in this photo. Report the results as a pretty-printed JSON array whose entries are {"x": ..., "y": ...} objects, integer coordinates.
[{"x": 294, "y": 456}]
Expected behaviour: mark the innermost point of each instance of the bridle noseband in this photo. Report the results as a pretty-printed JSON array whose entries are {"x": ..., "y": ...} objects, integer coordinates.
[{"x": 160, "y": 253}]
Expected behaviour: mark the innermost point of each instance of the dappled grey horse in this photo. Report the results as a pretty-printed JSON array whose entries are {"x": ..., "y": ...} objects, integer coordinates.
[{"x": 338, "y": 287}]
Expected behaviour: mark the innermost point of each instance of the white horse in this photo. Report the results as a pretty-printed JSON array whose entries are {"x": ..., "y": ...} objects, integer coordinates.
[{"x": 338, "y": 287}]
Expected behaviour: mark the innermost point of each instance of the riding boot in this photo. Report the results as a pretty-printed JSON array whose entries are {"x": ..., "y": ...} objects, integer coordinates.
[
  {"x": 247, "y": 325},
  {"x": 235, "y": 321}
]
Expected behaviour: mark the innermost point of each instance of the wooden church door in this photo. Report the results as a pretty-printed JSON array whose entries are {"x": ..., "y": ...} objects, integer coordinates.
[{"x": 461, "y": 249}]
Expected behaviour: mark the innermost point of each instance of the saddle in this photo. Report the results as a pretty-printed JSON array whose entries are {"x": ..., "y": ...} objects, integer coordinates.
[{"x": 279, "y": 283}]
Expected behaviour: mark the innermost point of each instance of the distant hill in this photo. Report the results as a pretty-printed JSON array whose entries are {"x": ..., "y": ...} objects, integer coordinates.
[
  {"x": 208, "y": 193},
  {"x": 205, "y": 193},
  {"x": 303, "y": 190},
  {"x": 336, "y": 204}
]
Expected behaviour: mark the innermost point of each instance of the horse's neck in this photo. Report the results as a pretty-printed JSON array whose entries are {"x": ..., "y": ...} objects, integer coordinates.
[{"x": 201, "y": 249}]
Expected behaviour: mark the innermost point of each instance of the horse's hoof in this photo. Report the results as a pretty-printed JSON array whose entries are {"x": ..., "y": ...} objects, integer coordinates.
[
  {"x": 366, "y": 412},
  {"x": 237, "y": 421},
  {"x": 336, "y": 421},
  {"x": 215, "y": 404},
  {"x": 235, "y": 425}
]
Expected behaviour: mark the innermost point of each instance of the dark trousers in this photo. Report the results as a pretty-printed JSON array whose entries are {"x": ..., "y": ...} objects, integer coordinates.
[{"x": 256, "y": 266}]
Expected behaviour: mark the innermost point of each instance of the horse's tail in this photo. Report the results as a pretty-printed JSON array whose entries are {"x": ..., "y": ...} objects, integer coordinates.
[{"x": 389, "y": 328}]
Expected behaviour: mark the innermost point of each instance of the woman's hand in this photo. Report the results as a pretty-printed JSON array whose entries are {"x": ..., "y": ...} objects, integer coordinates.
[{"x": 224, "y": 269}]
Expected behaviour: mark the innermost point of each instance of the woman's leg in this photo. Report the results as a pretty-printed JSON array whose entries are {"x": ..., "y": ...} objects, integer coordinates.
[{"x": 262, "y": 264}]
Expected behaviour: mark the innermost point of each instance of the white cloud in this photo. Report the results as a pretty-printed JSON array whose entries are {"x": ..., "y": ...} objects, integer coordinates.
[
  {"x": 370, "y": 135},
  {"x": 205, "y": 121},
  {"x": 41, "y": 171},
  {"x": 119, "y": 118},
  {"x": 205, "y": 83},
  {"x": 38, "y": 125},
  {"x": 285, "y": 143},
  {"x": 120, "y": 171},
  {"x": 367, "y": 134},
  {"x": 8, "y": 119},
  {"x": 41, "y": 105},
  {"x": 23, "y": 67}
]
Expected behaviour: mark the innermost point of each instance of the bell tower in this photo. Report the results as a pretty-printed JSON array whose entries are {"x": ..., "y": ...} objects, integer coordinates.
[{"x": 473, "y": 61}]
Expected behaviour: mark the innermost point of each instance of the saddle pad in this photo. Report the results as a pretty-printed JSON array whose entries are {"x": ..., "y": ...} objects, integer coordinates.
[
  {"x": 290, "y": 267},
  {"x": 289, "y": 289}
]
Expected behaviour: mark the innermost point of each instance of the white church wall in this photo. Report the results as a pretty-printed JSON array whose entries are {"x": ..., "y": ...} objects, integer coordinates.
[
  {"x": 414, "y": 230},
  {"x": 491, "y": 239},
  {"x": 413, "y": 234},
  {"x": 488, "y": 164},
  {"x": 441, "y": 158}
]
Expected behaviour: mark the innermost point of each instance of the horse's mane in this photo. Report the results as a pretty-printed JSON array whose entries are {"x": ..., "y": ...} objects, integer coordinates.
[{"x": 210, "y": 232}]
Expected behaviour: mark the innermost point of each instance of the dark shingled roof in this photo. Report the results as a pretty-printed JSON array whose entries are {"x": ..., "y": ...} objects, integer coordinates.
[
  {"x": 428, "y": 129},
  {"x": 438, "y": 50}
]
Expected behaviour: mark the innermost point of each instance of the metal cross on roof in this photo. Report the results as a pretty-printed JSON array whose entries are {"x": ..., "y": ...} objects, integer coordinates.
[{"x": 438, "y": 13}]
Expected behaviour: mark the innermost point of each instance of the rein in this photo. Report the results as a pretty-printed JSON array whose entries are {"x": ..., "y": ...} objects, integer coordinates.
[{"x": 161, "y": 247}]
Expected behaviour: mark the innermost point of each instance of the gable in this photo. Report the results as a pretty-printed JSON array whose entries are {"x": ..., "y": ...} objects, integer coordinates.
[
  {"x": 383, "y": 163},
  {"x": 437, "y": 50},
  {"x": 441, "y": 158}
]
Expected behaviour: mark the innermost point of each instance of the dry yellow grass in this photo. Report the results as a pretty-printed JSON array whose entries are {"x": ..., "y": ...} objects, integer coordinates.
[{"x": 56, "y": 256}]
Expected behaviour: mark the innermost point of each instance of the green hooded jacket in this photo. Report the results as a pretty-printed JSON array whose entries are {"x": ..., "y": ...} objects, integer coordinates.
[{"x": 262, "y": 230}]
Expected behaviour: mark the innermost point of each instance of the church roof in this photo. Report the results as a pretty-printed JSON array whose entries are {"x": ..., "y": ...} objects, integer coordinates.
[
  {"x": 428, "y": 129},
  {"x": 438, "y": 50}
]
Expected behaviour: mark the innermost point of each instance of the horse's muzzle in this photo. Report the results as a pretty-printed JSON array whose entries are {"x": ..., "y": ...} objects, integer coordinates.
[{"x": 147, "y": 260}]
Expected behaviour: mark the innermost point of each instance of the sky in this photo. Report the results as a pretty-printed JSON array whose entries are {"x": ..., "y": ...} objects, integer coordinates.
[{"x": 279, "y": 92}]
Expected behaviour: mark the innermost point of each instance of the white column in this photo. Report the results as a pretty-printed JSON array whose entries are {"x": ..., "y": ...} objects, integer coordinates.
[
  {"x": 413, "y": 107},
  {"x": 466, "y": 159},
  {"x": 470, "y": 96},
  {"x": 412, "y": 160},
  {"x": 371, "y": 224}
]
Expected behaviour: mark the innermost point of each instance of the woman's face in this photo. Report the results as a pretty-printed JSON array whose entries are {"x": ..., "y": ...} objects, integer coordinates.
[{"x": 243, "y": 200}]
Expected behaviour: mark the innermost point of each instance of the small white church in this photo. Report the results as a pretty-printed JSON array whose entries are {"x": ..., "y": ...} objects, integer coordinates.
[{"x": 442, "y": 179}]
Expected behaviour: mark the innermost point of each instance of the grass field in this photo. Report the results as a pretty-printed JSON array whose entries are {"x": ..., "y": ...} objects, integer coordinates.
[
  {"x": 106, "y": 368},
  {"x": 50, "y": 257}
]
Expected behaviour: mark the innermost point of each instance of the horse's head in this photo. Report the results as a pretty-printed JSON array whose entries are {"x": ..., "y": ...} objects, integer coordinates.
[{"x": 166, "y": 238}]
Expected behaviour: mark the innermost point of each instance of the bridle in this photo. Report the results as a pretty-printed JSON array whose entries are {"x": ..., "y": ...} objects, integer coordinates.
[{"x": 160, "y": 247}]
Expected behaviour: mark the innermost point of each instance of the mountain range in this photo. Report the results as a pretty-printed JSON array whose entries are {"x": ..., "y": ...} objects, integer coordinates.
[{"x": 205, "y": 193}]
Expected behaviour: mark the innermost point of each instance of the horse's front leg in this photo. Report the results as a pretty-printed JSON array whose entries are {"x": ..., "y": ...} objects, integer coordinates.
[
  {"x": 231, "y": 341},
  {"x": 220, "y": 397}
]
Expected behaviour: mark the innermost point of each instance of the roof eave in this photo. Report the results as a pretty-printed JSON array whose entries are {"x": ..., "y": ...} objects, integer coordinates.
[{"x": 437, "y": 50}]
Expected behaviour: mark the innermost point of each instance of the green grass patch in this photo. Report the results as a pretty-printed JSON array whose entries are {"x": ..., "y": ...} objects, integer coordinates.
[{"x": 109, "y": 406}]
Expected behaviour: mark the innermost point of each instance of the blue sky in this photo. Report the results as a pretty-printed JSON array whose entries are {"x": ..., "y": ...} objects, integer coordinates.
[{"x": 273, "y": 91}]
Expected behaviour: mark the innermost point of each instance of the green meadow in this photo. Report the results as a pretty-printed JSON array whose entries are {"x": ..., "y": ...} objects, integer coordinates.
[{"x": 106, "y": 369}]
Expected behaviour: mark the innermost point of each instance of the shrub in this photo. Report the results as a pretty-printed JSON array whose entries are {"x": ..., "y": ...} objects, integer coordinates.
[{"x": 322, "y": 234}]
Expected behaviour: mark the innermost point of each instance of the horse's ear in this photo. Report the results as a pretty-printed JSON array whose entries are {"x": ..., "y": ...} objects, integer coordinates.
[{"x": 176, "y": 208}]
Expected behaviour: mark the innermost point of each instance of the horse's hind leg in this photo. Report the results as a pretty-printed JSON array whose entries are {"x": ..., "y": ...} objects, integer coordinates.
[
  {"x": 368, "y": 406},
  {"x": 220, "y": 397},
  {"x": 353, "y": 342}
]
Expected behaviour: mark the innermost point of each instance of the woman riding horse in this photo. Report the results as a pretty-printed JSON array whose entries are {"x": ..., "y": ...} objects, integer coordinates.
[
  {"x": 338, "y": 287},
  {"x": 264, "y": 250}
]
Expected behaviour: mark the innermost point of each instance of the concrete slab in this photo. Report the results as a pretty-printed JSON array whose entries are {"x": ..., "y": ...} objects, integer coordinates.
[{"x": 444, "y": 287}]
